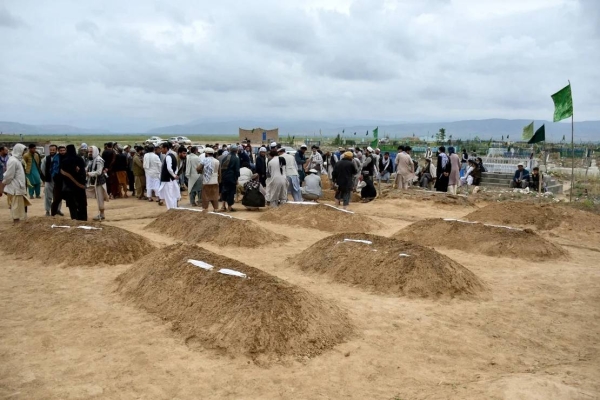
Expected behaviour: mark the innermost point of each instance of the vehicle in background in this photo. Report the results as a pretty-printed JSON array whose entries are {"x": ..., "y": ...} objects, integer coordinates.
[
  {"x": 154, "y": 140},
  {"x": 172, "y": 140},
  {"x": 289, "y": 150},
  {"x": 199, "y": 146},
  {"x": 183, "y": 140}
]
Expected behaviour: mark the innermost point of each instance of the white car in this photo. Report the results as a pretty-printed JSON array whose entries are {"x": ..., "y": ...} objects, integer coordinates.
[
  {"x": 154, "y": 140},
  {"x": 289, "y": 150},
  {"x": 184, "y": 140}
]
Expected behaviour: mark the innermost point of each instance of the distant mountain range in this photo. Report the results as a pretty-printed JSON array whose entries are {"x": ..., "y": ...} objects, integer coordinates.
[
  {"x": 18, "y": 128},
  {"x": 484, "y": 129}
]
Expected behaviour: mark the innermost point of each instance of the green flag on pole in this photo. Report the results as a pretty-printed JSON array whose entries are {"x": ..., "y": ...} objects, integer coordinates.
[
  {"x": 539, "y": 136},
  {"x": 528, "y": 132},
  {"x": 375, "y": 142},
  {"x": 563, "y": 103}
]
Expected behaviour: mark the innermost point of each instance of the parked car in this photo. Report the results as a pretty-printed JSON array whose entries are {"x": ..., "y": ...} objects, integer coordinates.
[
  {"x": 289, "y": 150},
  {"x": 184, "y": 140},
  {"x": 173, "y": 140},
  {"x": 154, "y": 140}
]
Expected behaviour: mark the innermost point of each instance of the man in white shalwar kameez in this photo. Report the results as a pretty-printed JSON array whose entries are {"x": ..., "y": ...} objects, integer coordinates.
[
  {"x": 152, "y": 166},
  {"x": 169, "y": 185},
  {"x": 277, "y": 186}
]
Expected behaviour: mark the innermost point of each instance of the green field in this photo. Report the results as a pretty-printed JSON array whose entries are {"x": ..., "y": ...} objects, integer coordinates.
[{"x": 99, "y": 140}]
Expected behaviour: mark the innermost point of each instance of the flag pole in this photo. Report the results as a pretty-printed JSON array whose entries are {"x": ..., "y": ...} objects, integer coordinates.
[{"x": 572, "y": 153}]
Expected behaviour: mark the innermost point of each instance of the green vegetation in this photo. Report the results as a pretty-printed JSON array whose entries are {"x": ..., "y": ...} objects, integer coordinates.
[{"x": 441, "y": 135}]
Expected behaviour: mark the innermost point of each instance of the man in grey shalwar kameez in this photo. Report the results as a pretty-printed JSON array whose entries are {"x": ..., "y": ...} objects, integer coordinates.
[{"x": 193, "y": 177}]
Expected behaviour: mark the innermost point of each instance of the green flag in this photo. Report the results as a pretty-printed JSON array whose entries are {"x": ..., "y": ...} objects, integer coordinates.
[
  {"x": 539, "y": 136},
  {"x": 528, "y": 131},
  {"x": 375, "y": 142},
  {"x": 563, "y": 103}
]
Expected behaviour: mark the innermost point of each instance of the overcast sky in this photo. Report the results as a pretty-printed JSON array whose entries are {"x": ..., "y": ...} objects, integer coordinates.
[{"x": 131, "y": 65}]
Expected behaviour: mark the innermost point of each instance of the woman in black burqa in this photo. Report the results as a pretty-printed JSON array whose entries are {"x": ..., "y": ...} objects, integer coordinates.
[
  {"x": 443, "y": 170},
  {"x": 72, "y": 168}
]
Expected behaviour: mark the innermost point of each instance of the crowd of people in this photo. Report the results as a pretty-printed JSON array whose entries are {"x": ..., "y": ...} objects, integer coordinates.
[{"x": 216, "y": 175}]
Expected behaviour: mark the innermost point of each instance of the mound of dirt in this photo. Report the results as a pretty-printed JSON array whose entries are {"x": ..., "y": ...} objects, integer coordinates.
[
  {"x": 542, "y": 217},
  {"x": 329, "y": 195},
  {"x": 390, "y": 266},
  {"x": 260, "y": 316},
  {"x": 67, "y": 243},
  {"x": 426, "y": 195},
  {"x": 478, "y": 238},
  {"x": 317, "y": 216},
  {"x": 221, "y": 229}
]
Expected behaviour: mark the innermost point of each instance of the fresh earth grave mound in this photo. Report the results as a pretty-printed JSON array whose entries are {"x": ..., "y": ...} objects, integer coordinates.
[
  {"x": 318, "y": 216},
  {"x": 260, "y": 316},
  {"x": 35, "y": 238},
  {"x": 389, "y": 266},
  {"x": 426, "y": 195},
  {"x": 329, "y": 195},
  {"x": 497, "y": 241},
  {"x": 542, "y": 217},
  {"x": 221, "y": 229}
]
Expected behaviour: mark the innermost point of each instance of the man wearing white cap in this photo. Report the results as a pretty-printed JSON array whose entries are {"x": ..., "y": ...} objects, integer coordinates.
[
  {"x": 316, "y": 159},
  {"x": 83, "y": 152},
  {"x": 312, "y": 189},
  {"x": 261, "y": 166},
  {"x": 277, "y": 182},
  {"x": 169, "y": 179},
  {"x": 152, "y": 166},
  {"x": 291, "y": 171},
  {"x": 521, "y": 178}
]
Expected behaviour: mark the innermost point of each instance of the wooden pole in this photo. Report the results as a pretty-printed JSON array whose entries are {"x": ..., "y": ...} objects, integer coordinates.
[{"x": 572, "y": 152}]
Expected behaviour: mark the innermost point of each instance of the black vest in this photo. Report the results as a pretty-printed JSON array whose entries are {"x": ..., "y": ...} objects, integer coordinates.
[
  {"x": 369, "y": 170},
  {"x": 48, "y": 169},
  {"x": 165, "y": 176}
]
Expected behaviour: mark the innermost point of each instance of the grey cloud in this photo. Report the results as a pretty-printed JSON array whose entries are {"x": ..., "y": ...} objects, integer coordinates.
[
  {"x": 142, "y": 63},
  {"x": 88, "y": 27},
  {"x": 8, "y": 20}
]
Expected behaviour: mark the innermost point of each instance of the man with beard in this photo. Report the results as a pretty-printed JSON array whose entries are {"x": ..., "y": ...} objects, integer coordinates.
[
  {"x": 169, "y": 186},
  {"x": 261, "y": 166},
  {"x": 386, "y": 167}
]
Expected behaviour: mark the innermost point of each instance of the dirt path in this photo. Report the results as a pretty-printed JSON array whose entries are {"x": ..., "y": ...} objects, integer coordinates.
[{"x": 66, "y": 334}]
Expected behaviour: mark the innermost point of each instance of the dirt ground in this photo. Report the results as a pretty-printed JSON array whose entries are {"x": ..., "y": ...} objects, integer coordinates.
[{"x": 65, "y": 333}]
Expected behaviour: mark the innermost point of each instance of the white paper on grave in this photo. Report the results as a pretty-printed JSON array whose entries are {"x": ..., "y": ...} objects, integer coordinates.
[
  {"x": 231, "y": 272},
  {"x": 340, "y": 209},
  {"x": 201, "y": 264},
  {"x": 358, "y": 241}
]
